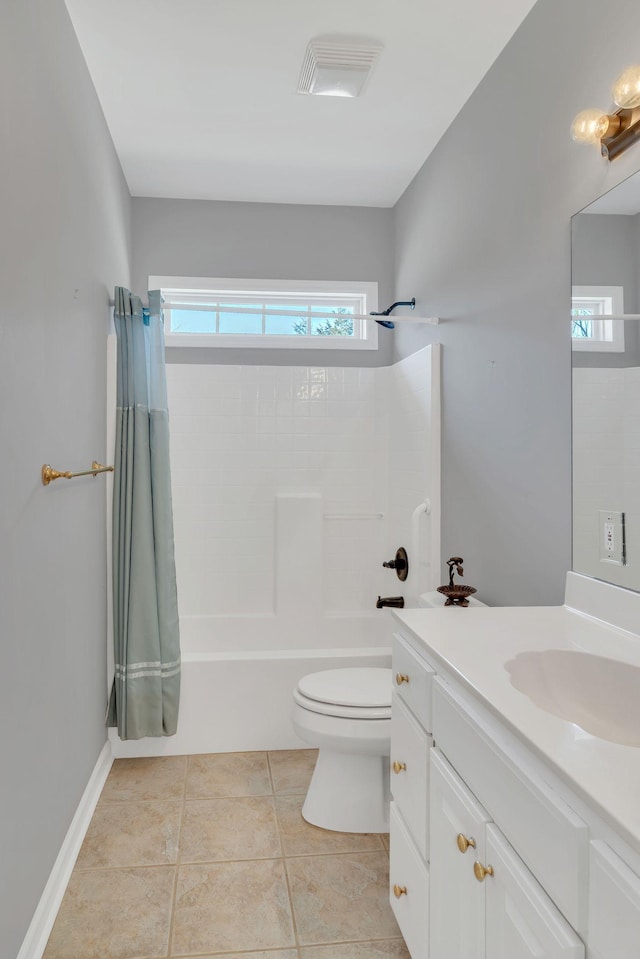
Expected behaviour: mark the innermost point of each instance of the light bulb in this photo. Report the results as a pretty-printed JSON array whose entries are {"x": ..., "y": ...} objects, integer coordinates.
[
  {"x": 589, "y": 126},
  {"x": 626, "y": 89}
]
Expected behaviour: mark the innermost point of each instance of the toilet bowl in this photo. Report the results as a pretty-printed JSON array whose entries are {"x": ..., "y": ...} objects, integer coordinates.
[{"x": 346, "y": 713}]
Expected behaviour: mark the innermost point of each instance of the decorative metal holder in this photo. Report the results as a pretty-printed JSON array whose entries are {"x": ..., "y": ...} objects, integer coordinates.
[{"x": 456, "y": 594}]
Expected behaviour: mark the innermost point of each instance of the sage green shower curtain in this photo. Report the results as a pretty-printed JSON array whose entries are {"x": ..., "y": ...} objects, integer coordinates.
[{"x": 146, "y": 687}]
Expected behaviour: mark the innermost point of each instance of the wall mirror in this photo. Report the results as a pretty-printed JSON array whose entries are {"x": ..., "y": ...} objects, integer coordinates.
[{"x": 606, "y": 386}]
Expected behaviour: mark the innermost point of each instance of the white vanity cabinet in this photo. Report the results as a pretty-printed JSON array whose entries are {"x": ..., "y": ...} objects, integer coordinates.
[
  {"x": 531, "y": 847},
  {"x": 484, "y": 903},
  {"x": 409, "y": 818}
]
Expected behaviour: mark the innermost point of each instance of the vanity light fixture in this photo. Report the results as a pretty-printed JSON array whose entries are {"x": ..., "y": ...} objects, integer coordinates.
[
  {"x": 615, "y": 132},
  {"x": 337, "y": 66}
]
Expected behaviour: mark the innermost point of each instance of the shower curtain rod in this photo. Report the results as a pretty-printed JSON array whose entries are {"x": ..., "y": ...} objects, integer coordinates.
[{"x": 172, "y": 305}]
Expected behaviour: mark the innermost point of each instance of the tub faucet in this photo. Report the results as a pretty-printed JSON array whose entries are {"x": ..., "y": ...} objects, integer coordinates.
[{"x": 396, "y": 601}]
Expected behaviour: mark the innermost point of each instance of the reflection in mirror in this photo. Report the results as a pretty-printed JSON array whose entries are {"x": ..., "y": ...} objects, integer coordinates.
[
  {"x": 606, "y": 462},
  {"x": 606, "y": 386}
]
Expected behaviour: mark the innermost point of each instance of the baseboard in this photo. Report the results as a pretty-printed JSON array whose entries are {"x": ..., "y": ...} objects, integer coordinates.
[{"x": 44, "y": 917}]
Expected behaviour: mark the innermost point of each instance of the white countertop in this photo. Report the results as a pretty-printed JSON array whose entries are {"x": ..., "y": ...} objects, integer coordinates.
[{"x": 472, "y": 645}]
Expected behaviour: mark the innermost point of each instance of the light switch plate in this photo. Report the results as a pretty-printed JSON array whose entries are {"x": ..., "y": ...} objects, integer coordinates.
[{"x": 611, "y": 537}]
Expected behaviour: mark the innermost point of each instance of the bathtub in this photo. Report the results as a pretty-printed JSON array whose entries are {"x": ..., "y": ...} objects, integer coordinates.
[{"x": 238, "y": 675}]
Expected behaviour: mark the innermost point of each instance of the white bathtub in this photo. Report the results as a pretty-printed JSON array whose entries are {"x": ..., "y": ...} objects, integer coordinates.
[{"x": 234, "y": 700}]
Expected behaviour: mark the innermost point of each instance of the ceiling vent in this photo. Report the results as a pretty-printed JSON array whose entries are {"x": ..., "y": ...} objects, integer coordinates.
[{"x": 338, "y": 66}]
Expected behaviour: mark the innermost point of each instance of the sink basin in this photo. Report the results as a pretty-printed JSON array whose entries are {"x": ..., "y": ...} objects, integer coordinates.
[{"x": 600, "y": 695}]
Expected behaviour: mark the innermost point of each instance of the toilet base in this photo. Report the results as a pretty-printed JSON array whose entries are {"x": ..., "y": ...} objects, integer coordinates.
[{"x": 349, "y": 793}]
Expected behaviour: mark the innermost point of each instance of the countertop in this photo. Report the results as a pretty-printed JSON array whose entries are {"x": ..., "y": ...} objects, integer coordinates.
[{"x": 472, "y": 646}]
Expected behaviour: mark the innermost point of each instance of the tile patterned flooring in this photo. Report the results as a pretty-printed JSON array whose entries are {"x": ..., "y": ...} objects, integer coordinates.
[{"x": 209, "y": 856}]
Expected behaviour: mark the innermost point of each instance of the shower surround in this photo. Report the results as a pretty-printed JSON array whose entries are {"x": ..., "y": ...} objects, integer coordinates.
[{"x": 291, "y": 485}]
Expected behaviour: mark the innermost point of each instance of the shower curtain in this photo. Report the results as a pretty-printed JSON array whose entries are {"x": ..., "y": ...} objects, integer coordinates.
[{"x": 146, "y": 687}]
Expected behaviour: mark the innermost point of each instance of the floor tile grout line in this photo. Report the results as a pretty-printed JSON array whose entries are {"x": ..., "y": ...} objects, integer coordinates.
[
  {"x": 270, "y": 771},
  {"x": 277, "y": 818},
  {"x": 284, "y": 861},
  {"x": 341, "y": 942},
  {"x": 279, "y": 949},
  {"x": 239, "y": 952},
  {"x": 344, "y": 942},
  {"x": 291, "y": 906},
  {"x": 218, "y": 862},
  {"x": 117, "y": 804},
  {"x": 266, "y": 795},
  {"x": 172, "y": 914},
  {"x": 324, "y": 855},
  {"x": 190, "y": 799}
]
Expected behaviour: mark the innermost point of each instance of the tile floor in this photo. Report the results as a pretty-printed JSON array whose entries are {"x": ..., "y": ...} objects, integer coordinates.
[{"x": 209, "y": 856}]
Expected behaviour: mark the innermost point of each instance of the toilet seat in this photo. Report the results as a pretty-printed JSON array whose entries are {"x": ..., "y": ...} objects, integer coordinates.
[
  {"x": 342, "y": 712},
  {"x": 356, "y": 693}
]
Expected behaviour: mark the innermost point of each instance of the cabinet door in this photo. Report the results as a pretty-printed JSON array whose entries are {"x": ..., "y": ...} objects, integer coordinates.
[
  {"x": 409, "y": 888},
  {"x": 521, "y": 920},
  {"x": 409, "y": 771},
  {"x": 456, "y": 899},
  {"x": 614, "y": 906}
]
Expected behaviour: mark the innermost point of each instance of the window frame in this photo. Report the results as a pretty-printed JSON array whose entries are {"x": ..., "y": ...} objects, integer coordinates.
[
  {"x": 608, "y": 335},
  {"x": 309, "y": 289}
]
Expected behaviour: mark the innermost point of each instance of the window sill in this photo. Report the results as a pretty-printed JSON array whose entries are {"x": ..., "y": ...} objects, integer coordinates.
[{"x": 223, "y": 340}]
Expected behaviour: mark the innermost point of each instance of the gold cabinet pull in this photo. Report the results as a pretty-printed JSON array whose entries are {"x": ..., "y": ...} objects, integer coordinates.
[
  {"x": 399, "y": 891},
  {"x": 401, "y": 678},
  {"x": 481, "y": 871},
  {"x": 399, "y": 767},
  {"x": 464, "y": 843}
]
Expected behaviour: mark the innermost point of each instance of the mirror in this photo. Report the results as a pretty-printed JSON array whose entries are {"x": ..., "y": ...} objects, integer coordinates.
[{"x": 605, "y": 266}]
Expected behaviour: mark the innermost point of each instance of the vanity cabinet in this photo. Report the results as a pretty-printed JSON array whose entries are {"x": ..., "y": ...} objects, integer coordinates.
[
  {"x": 484, "y": 901},
  {"x": 531, "y": 845},
  {"x": 411, "y": 744}
]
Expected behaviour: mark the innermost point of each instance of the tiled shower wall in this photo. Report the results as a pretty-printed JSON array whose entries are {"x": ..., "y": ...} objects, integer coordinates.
[
  {"x": 606, "y": 467},
  {"x": 281, "y": 472}
]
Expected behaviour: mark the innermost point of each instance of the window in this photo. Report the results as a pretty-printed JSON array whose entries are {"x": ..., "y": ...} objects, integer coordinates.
[
  {"x": 593, "y": 323},
  {"x": 267, "y": 313}
]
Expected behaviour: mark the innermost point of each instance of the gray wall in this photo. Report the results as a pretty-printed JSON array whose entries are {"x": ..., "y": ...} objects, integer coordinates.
[
  {"x": 64, "y": 242},
  {"x": 483, "y": 240},
  {"x": 266, "y": 241}
]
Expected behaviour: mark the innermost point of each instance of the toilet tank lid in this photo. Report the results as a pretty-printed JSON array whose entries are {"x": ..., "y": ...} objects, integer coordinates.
[{"x": 358, "y": 686}]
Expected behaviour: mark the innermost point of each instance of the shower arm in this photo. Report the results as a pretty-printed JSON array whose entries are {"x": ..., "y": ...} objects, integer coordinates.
[{"x": 388, "y": 324}]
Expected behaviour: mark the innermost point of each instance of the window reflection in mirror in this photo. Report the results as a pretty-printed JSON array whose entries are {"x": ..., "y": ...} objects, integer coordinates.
[{"x": 605, "y": 328}]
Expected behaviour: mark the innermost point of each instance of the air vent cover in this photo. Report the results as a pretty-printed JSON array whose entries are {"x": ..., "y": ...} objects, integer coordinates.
[{"x": 338, "y": 66}]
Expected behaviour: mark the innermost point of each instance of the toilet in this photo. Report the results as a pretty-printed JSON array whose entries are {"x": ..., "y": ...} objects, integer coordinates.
[{"x": 346, "y": 713}]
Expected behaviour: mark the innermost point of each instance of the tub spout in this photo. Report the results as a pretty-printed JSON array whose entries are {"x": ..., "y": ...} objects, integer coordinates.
[{"x": 396, "y": 601}]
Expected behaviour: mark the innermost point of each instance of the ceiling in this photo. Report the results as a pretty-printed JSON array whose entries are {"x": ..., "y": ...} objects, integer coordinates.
[{"x": 200, "y": 95}]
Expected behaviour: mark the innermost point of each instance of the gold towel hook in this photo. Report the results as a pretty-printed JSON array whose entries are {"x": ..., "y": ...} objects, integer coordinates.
[{"x": 49, "y": 474}]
